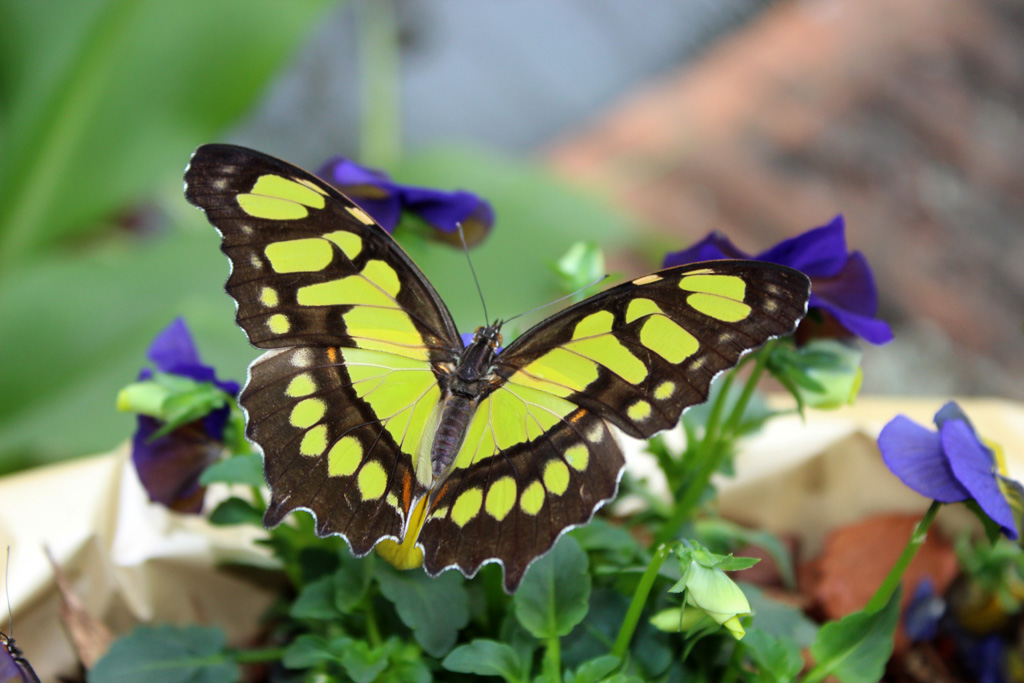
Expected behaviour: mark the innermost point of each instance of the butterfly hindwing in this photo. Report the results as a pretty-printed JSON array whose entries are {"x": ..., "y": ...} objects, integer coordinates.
[
  {"x": 640, "y": 353},
  {"x": 518, "y": 485},
  {"x": 334, "y": 448}
]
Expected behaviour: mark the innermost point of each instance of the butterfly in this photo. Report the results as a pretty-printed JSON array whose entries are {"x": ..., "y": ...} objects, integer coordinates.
[
  {"x": 374, "y": 416},
  {"x": 14, "y": 668}
]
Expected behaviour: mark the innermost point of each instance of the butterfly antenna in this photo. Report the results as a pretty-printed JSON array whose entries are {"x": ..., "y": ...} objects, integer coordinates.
[
  {"x": 7, "y": 592},
  {"x": 465, "y": 248},
  {"x": 559, "y": 299}
]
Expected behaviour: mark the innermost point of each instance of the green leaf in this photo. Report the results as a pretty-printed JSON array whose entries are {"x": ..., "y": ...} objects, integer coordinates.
[
  {"x": 596, "y": 669},
  {"x": 315, "y": 601},
  {"x": 600, "y": 535},
  {"x": 856, "y": 648},
  {"x": 435, "y": 609},
  {"x": 351, "y": 583},
  {"x": 554, "y": 594},
  {"x": 240, "y": 469},
  {"x": 105, "y": 105},
  {"x": 487, "y": 658},
  {"x": 364, "y": 663},
  {"x": 778, "y": 620},
  {"x": 167, "y": 654},
  {"x": 309, "y": 650},
  {"x": 189, "y": 406},
  {"x": 236, "y": 511},
  {"x": 778, "y": 659},
  {"x": 734, "y": 564},
  {"x": 723, "y": 535}
]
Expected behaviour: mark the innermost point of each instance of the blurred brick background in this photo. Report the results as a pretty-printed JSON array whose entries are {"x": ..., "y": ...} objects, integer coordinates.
[{"x": 904, "y": 115}]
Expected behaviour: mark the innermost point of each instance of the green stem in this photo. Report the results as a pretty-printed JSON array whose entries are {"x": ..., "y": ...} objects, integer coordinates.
[
  {"x": 760, "y": 365},
  {"x": 881, "y": 597},
  {"x": 381, "y": 81},
  {"x": 553, "y": 659},
  {"x": 714, "y": 417},
  {"x": 372, "y": 631},
  {"x": 732, "y": 670},
  {"x": 713, "y": 447},
  {"x": 700, "y": 454},
  {"x": 636, "y": 607}
]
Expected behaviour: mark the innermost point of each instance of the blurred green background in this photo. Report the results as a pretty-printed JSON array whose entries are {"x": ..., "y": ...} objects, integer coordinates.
[{"x": 98, "y": 249}]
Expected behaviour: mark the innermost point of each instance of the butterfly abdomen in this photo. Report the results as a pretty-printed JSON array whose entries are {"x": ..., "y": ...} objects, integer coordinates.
[
  {"x": 467, "y": 387},
  {"x": 451, "y": 432}
]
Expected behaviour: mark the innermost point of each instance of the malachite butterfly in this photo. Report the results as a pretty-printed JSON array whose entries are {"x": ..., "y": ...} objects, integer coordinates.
[{"x": 375, "y": 417}]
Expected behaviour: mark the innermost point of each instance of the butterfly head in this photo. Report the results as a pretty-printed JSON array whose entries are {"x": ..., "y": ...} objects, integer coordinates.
[{"x": 490, "y": 334}]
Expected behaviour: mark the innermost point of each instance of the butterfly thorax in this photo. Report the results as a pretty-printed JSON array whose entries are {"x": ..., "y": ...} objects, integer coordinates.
[{"x": 471, "y": 381}]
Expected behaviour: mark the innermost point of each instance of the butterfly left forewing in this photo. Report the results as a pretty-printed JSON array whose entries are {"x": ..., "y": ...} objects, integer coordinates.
[{"x": 308, "y": 266}]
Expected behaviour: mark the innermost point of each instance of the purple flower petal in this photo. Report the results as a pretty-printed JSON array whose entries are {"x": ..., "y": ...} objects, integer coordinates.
[
  {"x": 914, "y": 454},
  {"x": 975, "y": 468},
  {"x": 173, "y": 351},
  {"x": 345, "y": 172},
  {"x": 714, "y": 246},
  {"x": 387, "y": 211},
  {"x": 985, "y": 658},
  {"x": 923, "y": 614},
  {"x": 851, "y": 298},
  {"x": 169, "y": 466},
  {"x": 819, "y": 252},
  {"x": 173, "y": 348},
  {"x": 843, "y": 293},
  {"x": 445, "y": 211},
  {"x": 385, "y": 200},
  {"x": 952, "y": 411}
]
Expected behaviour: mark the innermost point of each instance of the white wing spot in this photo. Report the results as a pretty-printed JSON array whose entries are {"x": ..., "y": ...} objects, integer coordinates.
[{"x": 302, "y": 358}]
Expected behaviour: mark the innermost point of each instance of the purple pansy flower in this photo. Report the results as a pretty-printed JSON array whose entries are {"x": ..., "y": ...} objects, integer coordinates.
[
  {"x": 842, "y": 286},
  {"x": 952, "y": 465},
  {"x": 385, "y": 200},
  {"x": 924, "y": 614},
  {"x": 169, "y": 465}
]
